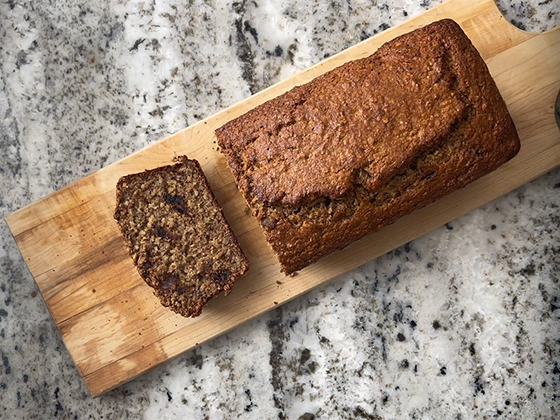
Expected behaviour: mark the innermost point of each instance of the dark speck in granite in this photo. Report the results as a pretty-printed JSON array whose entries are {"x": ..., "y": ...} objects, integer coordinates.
[
  {"x": 360, "y": 413},
  {"x": 248, "y": 28},
  {"x": 243, "y": 30},
  {"x": 305, "y": 355},
  {"x": 249, "y": 407},
  {"x": 478, "y": 386},
  {"x": 196, "y": 359},
  {"x": 6, "y": 363},
  {"x": 137, "y": 43},
  {"x": 277, "y": 333}
]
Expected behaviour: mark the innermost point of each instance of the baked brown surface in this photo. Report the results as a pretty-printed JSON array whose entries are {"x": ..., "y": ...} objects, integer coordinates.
[
  {"x": 355, "y": 149},
  {"x": 178, "y": 236}
]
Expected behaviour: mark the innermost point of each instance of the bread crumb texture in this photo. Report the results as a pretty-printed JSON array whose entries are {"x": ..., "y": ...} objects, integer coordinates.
[
  {"x": 355, "y": 149},
  {"x": 178, "y": 236}
]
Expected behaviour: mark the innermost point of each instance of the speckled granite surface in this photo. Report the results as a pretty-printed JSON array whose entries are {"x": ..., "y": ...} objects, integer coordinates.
[{"x": 461, "y": 323}]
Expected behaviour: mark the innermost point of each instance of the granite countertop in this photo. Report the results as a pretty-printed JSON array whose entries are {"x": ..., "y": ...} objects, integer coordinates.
[{"x": 461, "y": 323}]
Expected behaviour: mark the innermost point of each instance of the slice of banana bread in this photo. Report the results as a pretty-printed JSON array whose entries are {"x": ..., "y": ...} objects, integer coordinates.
[{"x": 177, "y": 235}]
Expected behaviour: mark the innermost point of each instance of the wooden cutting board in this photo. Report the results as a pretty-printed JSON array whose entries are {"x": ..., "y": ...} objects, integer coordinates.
[{"x": 113, "y": 326}]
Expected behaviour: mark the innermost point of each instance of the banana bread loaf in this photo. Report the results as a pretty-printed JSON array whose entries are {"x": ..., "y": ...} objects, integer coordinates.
[
  {"x": 359, "y": 147},
  {"x": 178, "y": 236}
]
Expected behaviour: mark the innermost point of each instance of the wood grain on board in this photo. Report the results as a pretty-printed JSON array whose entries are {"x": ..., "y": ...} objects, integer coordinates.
[{"x": 113, "y": 326}]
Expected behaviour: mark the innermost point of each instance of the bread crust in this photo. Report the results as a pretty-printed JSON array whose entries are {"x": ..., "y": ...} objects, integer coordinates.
[{"x": 355, "y": 149}]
